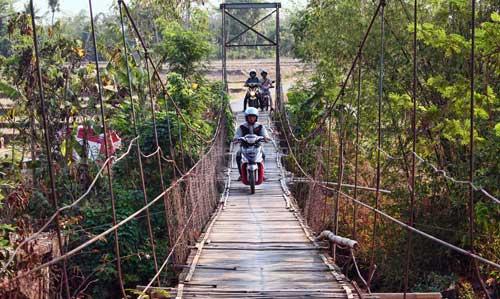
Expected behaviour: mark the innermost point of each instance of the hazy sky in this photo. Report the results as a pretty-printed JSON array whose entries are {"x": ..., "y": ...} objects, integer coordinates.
[
  {"x": 73, "y": 7},
  {"x": 69, "y": 7}
]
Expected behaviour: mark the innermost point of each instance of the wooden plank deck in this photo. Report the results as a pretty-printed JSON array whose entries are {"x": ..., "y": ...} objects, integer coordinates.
[{"x": 256, "y": 246}]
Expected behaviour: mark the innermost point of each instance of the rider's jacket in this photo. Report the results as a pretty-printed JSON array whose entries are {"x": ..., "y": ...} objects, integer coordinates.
[
  {"x": 257, "y": 129},
  {"x": 265, "y": 84},
  {"x": 251, "y": 80}
]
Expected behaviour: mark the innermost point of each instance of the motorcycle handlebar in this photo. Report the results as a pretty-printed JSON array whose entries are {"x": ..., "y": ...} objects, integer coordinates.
[{"x": 259, "y": 139}]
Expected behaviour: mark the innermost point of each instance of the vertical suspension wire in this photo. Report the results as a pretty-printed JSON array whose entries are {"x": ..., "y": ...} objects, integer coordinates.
[
  {"x": 379, "y": 138},
  {"x": 328, "y": 161},
  {"x": 471, "y": 145},
  {"x": 173, "y": 154},
  {"x": 139, "y": 158},
  {"x": 108, "y": 167},
  {"x": 53, "y": 194},
  {"x": 157, "y": 143},
  {"x": 471, "y": 132},
  {"x": 356, "y": 154},
  {"x": 224, "y": 50},
  {"x": 278, "y": 90},
  {"x": 155, "y": 127},
  {"x": 339, "y": 175},
  {"x": 414, "y": 151},
  {"x": 181, "y": 144}
]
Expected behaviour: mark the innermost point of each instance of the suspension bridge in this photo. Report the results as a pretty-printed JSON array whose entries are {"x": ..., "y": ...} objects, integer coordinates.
[{"x": 231, "y": 244}]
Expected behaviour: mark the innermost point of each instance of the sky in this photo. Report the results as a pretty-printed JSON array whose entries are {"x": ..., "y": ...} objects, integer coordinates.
[
  {"x": 73, "y": 7},
  {"x": 68, "y": 7}
]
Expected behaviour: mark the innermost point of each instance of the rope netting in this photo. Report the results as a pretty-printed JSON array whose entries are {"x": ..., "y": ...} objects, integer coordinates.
[
  {"x": 194, "y": 193},
  {"x": 324, "y": 202},
  {"x": 187, "y": 201},
  {"x": 194, "y": 199}
]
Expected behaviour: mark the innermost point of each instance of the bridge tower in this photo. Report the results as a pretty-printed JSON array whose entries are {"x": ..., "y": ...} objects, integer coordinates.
[{"x": 226, "y": 9}]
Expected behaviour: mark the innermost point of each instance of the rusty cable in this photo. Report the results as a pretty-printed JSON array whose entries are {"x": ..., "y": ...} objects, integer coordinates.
[
  {"x": 139, "y": 159},
  {"x": 379, "y": 139},
  {"x": 414, "y": 149},
  {"x": 53, "y": 194},
  {"x": 106, "y": 151},
  {"x": 128, "y": 218},
  {"x": 356, "y": 154},
  {"x": 471, "y": 146},
  {"x": 160, "y": 80},
  {"x": 385, "y": 215},
  {"x": 344, "y": 84}
]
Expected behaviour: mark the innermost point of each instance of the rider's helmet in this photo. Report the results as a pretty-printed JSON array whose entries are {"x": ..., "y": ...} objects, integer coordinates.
[
  {"x": 251, "y": 111},
  {"x": 253, "y": 73},
  {"x": 263, "y": 72}
]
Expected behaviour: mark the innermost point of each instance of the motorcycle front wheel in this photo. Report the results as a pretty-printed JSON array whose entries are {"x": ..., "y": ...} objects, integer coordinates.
[{"x": 251, "y": 181}]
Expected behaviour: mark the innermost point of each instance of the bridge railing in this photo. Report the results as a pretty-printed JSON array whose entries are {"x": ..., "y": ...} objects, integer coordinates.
[
  {"x": 322, "y": 198},
  {"x": 188, "y": 200}
]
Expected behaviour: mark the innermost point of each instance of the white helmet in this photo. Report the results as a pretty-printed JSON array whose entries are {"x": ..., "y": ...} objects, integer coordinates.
[
  {"x": 252, "y": 71},
  {"x": 263, "y": 71},
  {"x": 251, "y": 111}
]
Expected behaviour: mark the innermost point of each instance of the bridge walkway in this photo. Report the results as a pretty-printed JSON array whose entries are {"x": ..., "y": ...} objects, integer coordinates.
[{"x": 256, "y": 246}]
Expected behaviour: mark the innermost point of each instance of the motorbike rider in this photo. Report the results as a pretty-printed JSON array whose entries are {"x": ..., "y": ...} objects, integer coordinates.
[
  {"x": 252, "y": 79},
  {"x": 265, "y": 85},
  {"x": 250, "y": 126}
]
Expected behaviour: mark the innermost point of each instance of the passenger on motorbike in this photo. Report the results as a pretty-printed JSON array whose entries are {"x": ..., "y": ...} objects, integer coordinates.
[
  {"x": 250, "y": 126},
  {"x": 265, "y": 85},
  {"x": 253, "y": 79}
]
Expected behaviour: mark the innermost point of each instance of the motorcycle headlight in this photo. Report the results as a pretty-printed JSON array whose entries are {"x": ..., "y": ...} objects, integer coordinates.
[{"x": 252, "y": 93}]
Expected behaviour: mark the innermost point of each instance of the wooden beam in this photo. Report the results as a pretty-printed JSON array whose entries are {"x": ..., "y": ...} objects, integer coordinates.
[{"x": 408, "y": 295}]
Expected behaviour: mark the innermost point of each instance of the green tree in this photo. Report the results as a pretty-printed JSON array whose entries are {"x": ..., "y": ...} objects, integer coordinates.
[
  {"x": 327, "y": 34},
  {"x": 54, "y": 6},
  {"x": 7, "y": 12},
  {"x": 184, "y": 49}
]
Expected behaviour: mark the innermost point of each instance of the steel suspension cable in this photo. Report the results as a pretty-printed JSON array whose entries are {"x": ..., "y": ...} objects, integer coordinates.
[
  {"x": 181, "y": 144},
  {"x": 153, "y": 117},
  {"x": 128, "y": 218},
  {"x": 170, "y": 142},
  {"x": 328, "y": 162},
  {"x": 426, "y": 235},
  {"x": 56, "y": 214},
  {"x": 379, "y": 139},
  {"x": 171, "y": 252},
  {"x": 356, "y": 155},
  {"x": 134, "y": 124},
  {"x": 435, "y": 168},
  {"x": 411, "y": 219},
  {"x": 110, "y": 175},
  {"x": 344, "y": 84},
  {"x": 156, "y": 140},
  {"x": 160, "y": 80},
  {"x": 340, "y": 177},
  {"x": 471, "y": 145},
  {"x": 107, "y": 166},
  {"x": 385, "y": 215},
  {"x": 400, "y": 223},
  {"x": 53, "y": 192},
  {"x": 471, "y": 132}
]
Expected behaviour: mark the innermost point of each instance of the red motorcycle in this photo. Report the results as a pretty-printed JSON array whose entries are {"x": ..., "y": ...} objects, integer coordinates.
[{"x": 252, "y": 161}]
